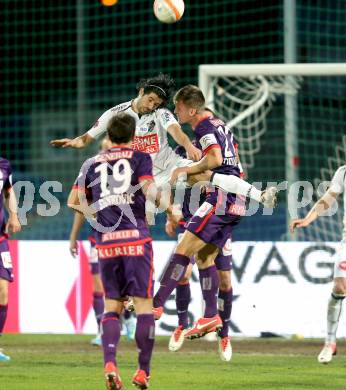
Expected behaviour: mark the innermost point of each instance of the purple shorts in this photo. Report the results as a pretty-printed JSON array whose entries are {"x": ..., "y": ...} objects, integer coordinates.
[
  {"x": 6, "y": 270},
  {"x": 127, "y": 269},
  {"x": 211, "y": 228}
]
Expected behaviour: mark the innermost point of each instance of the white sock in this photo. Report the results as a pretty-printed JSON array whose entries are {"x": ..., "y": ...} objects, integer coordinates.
[
  {"x": 333, "y": 316},
  {"x": 235, "y": 185}
]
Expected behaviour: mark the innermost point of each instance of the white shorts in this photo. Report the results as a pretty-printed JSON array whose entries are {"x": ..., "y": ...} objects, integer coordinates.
[
  {"x": 163, "y": 176},
  {"x": 340, "y": 262}
]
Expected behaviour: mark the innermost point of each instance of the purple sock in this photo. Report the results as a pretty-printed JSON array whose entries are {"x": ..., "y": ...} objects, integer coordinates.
[
  {"x": 110, "y": 336},
  {"x": 182, "y": 299},
  {"x": 98, "y": 305},
  {"x": 209, "y": 280},
  {"x": 145, "y": 337},
  {"x": 173, "y": 274},
  {"x": 3, "y": 316},
  {"x": 225, "y": 309}
]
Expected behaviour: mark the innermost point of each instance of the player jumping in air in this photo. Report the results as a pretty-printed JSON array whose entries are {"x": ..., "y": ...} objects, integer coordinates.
[
  {"x": 337, "y": 187},
  {"x": 153, "y": 121},
  {"x": 7, "y": 199},
  {"x": 211, "y": 225},
  {"x": 117, "y": 182}
]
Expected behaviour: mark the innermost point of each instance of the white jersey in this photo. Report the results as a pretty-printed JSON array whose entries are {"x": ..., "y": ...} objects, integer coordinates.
[
  {"x": 338, "y": 185},
  {"x": 151, "y": 132}
]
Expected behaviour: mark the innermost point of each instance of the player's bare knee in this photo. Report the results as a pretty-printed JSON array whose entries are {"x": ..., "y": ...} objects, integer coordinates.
[
  {"x": 143, "y": 305},
  {"x": 339, "y": 286},
  {"x": 113, "y": 305},
  {"x": 225, "y": 283}
]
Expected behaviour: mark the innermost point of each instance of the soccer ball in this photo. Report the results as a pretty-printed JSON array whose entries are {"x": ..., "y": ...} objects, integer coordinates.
[{"x": 169, "y": 11}]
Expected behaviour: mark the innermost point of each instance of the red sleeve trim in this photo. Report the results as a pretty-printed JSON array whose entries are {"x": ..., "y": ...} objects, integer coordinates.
[
  {"x": 77, "y": 187},
  {"x": 145, "y": 177},
  {"x": 92, "y": 239},
  {"x": 138, "y": 242},
  {"x": 214, "y": 146}
]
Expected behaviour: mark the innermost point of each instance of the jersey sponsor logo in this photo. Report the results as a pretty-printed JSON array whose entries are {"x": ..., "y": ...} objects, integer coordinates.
[
  {"x": 227, "y": 248},
  {"x": 237, "y": 209},
  {"x": 120, "y": 235},
  {"x": 342, "y": 265},
  {"x": 203, "y": 210},
  {"x": 6, "y": 259},
  {"x": 166, "y": 117},
  {"x": 116, "y": 251},
  {"x": 208, "y": 140},
  {"x": 102, "y": 157},
  {"x": 148, "y": 143}
]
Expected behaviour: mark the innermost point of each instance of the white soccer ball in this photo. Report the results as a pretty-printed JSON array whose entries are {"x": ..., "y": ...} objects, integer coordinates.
[{"x": 169, "y": 11}]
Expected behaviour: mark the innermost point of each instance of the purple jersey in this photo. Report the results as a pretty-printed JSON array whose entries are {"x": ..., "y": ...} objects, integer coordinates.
[
  {"x": 5, "y": 185},
  {"x": 111, "y": 180},
  {"x": 212, "y": 133}
]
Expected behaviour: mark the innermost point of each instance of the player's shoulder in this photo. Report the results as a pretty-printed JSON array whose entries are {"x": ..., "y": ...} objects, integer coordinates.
[
  {"x": 121, "y": 107},
  {"x": 341, "y": 171},
  {"x": 141, "y": 156},
  {"x": 4, "y": 163},
  {"x": 165, "y": 114}
]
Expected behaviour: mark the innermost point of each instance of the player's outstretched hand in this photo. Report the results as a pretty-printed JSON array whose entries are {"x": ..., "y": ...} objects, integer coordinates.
[
  {"x": 175, "y": 175},
  {"x": 194, "y": 153},
  {"x": 76, "y": 143},
  {"x": 73, "y": 248},
  {"x": 298, "y": 223},
  {"x": 13, "y": 225},
  {"x": 170, "y": 228}
]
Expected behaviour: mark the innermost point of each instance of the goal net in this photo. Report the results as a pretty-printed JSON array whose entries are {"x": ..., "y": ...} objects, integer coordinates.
[{"x": 290, "y": 122}]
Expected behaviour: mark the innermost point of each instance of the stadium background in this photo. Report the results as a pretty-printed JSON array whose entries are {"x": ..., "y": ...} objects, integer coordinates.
[{"x": 64, "y": 63}]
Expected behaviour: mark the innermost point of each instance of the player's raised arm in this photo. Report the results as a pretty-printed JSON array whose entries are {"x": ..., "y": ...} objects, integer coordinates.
[
  {"x": 87, "y": 138},
  {"x": 319, "y": 208},
  {"x": 182, "y": 139}
]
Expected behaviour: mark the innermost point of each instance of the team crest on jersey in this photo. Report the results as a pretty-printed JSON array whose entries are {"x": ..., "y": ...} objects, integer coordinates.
[
  {"x": 166, "y": 117},
  {"x": 151, "y": 126}
]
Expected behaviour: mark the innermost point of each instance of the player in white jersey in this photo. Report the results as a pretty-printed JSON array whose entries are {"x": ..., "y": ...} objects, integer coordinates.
[
  {"x": 153, "y": 121},
  {"x": 337, "y": 187}
]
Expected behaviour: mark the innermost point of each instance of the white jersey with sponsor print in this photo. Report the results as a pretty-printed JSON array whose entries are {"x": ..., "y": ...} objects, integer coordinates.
[
  {"x": 338, "y": 185},
  {"x": 151, "y": 132}
]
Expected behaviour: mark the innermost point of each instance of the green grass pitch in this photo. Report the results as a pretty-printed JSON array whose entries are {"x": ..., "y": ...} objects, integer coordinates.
[{"x": 65, "y": 362}]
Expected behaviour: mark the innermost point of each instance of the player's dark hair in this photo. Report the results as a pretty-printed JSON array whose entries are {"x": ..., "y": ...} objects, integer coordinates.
[
  {"x": 121, "y": 128},
  {"x": 191, "y": 96},
  {"x": 162, "y": 85}
]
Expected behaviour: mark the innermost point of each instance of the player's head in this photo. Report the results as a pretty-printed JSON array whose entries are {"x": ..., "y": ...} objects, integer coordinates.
[
  {"x": 188, "y": 101},
  {"x": 154, "y": 92},
  {"x": 121, "y": 128}
]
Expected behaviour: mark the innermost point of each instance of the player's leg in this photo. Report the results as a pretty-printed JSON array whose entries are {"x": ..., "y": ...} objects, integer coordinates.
[
  {"x": 209, "y": 282},
  {"x": 6, "y": 277},
  {"x": 142, "y": 291},
  {"x": 334, "y": 307},
  {"x": 225, "y": 298},
  {"x": 130, "y": 324},
  {"x": 333, "y": 316},
  {"x": 113, "y": 282},
  {"x": 98, "y": 303},
  {"x": 145, "y": 338},
  {"x": 176, "y": 269},
  {"x": 182, "y": 300},
  {"x": 236, "y": 185},
  {"x": 111, "y": 330}
]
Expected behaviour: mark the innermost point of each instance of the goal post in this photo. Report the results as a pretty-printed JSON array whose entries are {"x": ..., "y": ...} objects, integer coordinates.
[{"x": 285, "y": 106}]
